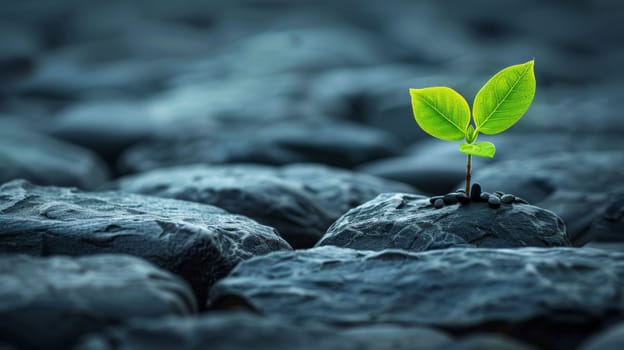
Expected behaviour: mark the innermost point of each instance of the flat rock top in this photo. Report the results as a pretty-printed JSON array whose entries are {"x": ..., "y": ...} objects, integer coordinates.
[
  {"x": 328, "y": 142},
  {"x": 454, "y": 288},
  {"x": 47, "y": 161},
  {"x": 300, "y": 201},
  {"x": 410, "y": 222},
  {"x": 197, "y": 241},
  {"x": 60, "y": 298}
]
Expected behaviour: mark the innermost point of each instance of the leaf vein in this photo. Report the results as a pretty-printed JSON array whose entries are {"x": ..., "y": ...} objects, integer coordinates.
[{"x": 506, "y": 95}]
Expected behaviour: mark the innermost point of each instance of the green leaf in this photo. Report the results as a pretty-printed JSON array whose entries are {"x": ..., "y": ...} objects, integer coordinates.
[
  {"x": 503, "y": 100},
  {"x": 441, "y": 112},
  {"x": 480, "y": 149}
]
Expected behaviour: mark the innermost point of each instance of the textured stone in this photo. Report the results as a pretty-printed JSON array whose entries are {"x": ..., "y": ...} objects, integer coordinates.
[
  {"x": 224, "y": 331},
  {"x": 300, "y": 201},
  {"x": 199, "y": 242},
  {"x": 321, "y": 141},
  {"x": 552, "y": 298},
  {"x": 576, "y": 186},
  {"x": 410, "y": 222},
  {"x": 46, "y": 161},
  {"x": 48, "y": 303}
]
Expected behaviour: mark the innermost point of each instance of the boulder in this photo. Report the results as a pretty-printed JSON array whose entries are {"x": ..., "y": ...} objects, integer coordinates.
[
  {"x": 551, "y": 298},
  {"x": 201, "y": 243},
  {"x": 317, "y": 141},
  {"x": 48, "y": 303},
  {"x": 411, "y": 222},
  {"x": 46, "y": 161}
]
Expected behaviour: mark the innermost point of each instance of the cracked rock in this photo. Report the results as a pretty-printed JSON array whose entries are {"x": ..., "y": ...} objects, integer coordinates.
[
  {"x": 201, "y": 243},
  {"x": 545, "y": 297},
  {"x": 411, "y": 222}
]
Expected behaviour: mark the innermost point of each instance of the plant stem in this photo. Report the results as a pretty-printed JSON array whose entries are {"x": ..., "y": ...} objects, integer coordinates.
[{"x": 468, "y": 174}]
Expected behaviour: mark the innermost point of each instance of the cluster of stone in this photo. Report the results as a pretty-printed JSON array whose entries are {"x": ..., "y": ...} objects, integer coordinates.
[{"x": 494, "y": 200}]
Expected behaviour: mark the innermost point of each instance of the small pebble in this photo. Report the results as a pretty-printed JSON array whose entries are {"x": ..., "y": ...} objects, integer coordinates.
[
  {"x": 438, "y": 203},
  {"x": 508, "y": 198},
  {"x": 494, "y": 202},
  {"x": 433, "y": 199},
  {"x": 485, "y": 196},
  {"x": 499, "y": 193},
  {"x": 450, "y": 198},
  {"x": 460, "y": 190},
  {"x": 463, "y": 198},
  {"x": 475, "y": 192}
]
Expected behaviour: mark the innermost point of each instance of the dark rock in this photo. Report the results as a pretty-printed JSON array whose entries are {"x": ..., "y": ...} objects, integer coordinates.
[
  {"x": 321, "y": 141},
  {"x": 499, "y": 194},
  {"x": 576, "y": 186},
  {"x": 552, "y": 298},
  {"x": 199, "y": 242},
  {"x": 495, "y": 202},
  {"x": 463, "y": 198},
  {"x": 48, "y": 303},
  {"x": 395, "y": 220},
  {"x": 485, "y": 196},
  {"x": 508, "y": 198},
  {"x": 434, "y": 199},
  {"x": 300, "y": 201},
  {"x": 609, "y": 225},
  {"x": 609, "y": 339},
  {"x": 475, "y": 192},
  {"x": 46, "y": 161},
  {"x": 247, "y": 331},
  {"x": 439, "y": 203},
  {"x": 450, "y": 198}
]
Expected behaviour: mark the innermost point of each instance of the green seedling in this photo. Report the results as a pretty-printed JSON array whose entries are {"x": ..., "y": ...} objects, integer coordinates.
[{"x": 443, "y": 113}]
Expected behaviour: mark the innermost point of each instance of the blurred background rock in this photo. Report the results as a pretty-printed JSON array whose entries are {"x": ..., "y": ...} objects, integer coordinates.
[{"x": 124, "y": 78}]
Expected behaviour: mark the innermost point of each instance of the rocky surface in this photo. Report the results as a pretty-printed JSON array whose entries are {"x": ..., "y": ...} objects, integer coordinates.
[
  {"x": 610, "y": 339},
  {"x": 609, "y": 225},
  {"x": 48, "y": 303},
  {"x": 411, "y": 222},
  {"x": 300, "y": 201},
  {"x": 153, "y": 83},
  {"x": 246, "y": 331},
  {"x": 546, "y": 297},
  {"x": 46, "y": 161},
  {"x": 201, "y": 243},
  {"x": 576, "y": 186},
  {"x": 322, "y": 141}
]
